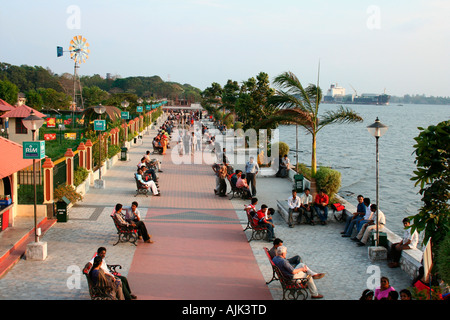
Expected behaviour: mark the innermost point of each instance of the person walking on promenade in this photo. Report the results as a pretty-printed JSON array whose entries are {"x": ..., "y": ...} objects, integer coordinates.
[
  {"x": 222, "y": 174},
  {"x": 186, "y": 142},
  {"x": 101, "y": 253},
  {"x": 409, "y": 241},
  {"x": 299, "y": 272},
  {"x": 294, "y": 203},
  {"x": 321, "y": 203},
  {"x": 139, "y": 225},
  {"x": 193, "y": 142},
  {"x": 251, "y": 170}
]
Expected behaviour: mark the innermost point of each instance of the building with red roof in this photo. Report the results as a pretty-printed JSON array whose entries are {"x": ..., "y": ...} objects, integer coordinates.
[
  {"x": 15, "y": 129},
  {"x": 10, "y": 163},
  {"x": 4, "y": 107}
]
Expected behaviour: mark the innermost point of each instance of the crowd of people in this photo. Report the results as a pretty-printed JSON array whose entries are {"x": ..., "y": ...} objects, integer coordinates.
[
  {"x": 358, "y": 226},
  {"x": 385, "y": 291}
]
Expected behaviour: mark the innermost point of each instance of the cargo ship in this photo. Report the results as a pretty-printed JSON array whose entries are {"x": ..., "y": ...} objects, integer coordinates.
[{"x": 336, "y": 94}]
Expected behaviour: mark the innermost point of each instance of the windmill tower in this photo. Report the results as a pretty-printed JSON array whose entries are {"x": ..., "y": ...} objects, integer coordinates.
[{"x": 79, "y": 52}]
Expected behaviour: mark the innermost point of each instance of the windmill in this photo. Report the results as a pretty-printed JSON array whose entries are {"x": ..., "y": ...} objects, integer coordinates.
[{"x": 79, "y": 52}]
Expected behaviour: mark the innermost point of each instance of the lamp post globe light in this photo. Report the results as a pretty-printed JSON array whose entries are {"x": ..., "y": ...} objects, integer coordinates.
[
  {"x": 125, "y": 104},
  {"x": 99, "y": 109},
  {"x": 36, "y": 250},
  {"x": 377, "y": 129}
]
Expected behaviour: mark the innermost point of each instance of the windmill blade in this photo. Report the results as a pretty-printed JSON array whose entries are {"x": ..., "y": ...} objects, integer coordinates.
[{"x": 79, "y": 49}]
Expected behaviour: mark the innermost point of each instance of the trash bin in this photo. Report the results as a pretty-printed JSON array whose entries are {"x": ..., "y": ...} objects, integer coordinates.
[
  {"x": 61, "y": 210},
  {"x": 123, "y": 154},
  {"x": 382, "y": 237},
  {"x": 298, "y": 182}
]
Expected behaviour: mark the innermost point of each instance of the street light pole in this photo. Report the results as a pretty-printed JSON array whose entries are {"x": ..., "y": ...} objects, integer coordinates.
[
  {"x": 100, "y": 110},
  {"x": 33, "y": 123},
  {"x": 377, "y": 129}
]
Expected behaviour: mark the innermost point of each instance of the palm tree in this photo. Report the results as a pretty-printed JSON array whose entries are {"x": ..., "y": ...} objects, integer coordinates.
[{"x": 300, "y": 106}]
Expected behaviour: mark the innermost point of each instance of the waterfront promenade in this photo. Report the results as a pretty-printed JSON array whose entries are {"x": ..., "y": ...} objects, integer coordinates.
[{"x": 200, "y": 251}]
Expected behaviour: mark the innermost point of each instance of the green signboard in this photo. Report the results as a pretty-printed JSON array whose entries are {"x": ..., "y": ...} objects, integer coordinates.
[
  {"x": 99, "y": 125},
  {"x": 148, "y": 107},
  {"x": 139, "y": 108},
  {"x": 125, "y": 115},
  {"x": 33, "y": 149}
]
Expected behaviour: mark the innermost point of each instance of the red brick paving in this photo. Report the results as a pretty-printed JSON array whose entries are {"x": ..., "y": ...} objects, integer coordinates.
[{"x": 200, "y": 250}]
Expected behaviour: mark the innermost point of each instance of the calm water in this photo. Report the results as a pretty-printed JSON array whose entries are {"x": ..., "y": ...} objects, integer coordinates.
[{"x": 350, "y": 149}]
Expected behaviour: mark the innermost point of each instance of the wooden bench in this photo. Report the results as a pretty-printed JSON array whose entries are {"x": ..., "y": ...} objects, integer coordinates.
[
  {"x": 293, "y": 289},
  {"x": 274, "y": 272},
  {"x": 140, "y": 188},
  {"x": 97, "y": 292},
  {"x": 235, "y": 190},
  {"x": 125, "y": 234},
  {"x": 259, "y": 232}
]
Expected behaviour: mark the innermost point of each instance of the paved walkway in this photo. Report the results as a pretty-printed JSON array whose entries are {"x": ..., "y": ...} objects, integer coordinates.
[{"x": 198, "y": 242}]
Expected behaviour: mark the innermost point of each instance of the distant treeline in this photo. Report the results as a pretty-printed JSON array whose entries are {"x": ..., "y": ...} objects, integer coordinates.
[
  {"x": 420, "y": 99},
  {"x": 42, "y": 87}
]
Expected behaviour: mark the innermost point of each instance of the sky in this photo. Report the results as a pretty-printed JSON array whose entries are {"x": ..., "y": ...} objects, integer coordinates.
[{"x": 398, "y": 47}]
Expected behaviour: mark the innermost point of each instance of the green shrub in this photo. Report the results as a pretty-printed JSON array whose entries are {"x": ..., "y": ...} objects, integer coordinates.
[
  {"x": 25, "y": 194},
  {"x": 79, "y": 175},
  {"x": 443, "y": 259},
  {"x": 238, "y": 125},
  {"x": 304, "y": 170},
  {"x": 283, "y": 148},
  {"x": 113, "y": 150},
  {"x": 328, "y": 180},
  {"x": 69, "y": 192}
]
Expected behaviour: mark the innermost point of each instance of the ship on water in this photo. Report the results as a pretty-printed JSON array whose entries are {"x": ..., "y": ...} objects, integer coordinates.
[{"x": 336, "y": 94}]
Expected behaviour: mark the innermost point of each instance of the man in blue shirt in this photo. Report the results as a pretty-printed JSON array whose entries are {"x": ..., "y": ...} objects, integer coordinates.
[
  {"x": 299, "y": 272},
  {"x": 353, "y": 219},
  {"x": 251, "y": 170}
]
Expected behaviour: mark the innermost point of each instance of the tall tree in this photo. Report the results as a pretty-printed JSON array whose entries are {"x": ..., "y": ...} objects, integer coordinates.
[
  {"x": 432, "y": 151},
  {"x": 298, "y": 105},
  {"x": 252, "y": 106},
  {"x": 8, "y": 92}
]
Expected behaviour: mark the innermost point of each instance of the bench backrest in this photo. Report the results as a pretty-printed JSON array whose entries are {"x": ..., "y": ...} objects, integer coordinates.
[
  {"x": 268, "y": 256},
  {"x": 250, "y": 219}
]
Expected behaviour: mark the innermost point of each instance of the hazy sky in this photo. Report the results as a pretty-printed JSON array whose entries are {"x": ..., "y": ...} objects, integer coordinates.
[{"x": 399, "y": 46}]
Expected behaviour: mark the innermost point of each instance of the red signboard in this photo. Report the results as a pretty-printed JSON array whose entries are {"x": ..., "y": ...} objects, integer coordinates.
[{"x": 49, "y": 136}]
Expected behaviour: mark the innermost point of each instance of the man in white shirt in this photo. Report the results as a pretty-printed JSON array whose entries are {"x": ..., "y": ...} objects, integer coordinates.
[
  {"x": 366, "y": 229},
  {"x": 409, "y": 241},
  {"x": 306, "y": 203},
  {"x": 148, "y": 184},
  {"x": 101, "y": 252},
  {"x": 132, "y": 213},
  {"x": 193, "y": 142},
  {"x": 294, "y": 203}
]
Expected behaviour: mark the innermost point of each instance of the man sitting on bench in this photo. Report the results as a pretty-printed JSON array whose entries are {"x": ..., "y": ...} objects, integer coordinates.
[
  {"x": 139, "y": 225},
  {"x": 147, "y": 184},
  {"x": 299, "y": 272}
]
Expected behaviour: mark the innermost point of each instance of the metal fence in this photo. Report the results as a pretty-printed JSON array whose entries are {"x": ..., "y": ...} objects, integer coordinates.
[
  {"x": 25, "y": 184},
  {"x": 59, "y": 173}
]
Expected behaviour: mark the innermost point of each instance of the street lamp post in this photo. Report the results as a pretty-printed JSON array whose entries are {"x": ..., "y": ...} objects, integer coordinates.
[
  {"x": 99, "y": 110},
  {"x": 125, "y": 105},
  {"x": 61, "y": 128},
  {"x": 33, "y": 123},
  {"x": 377, "y": 129}
]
